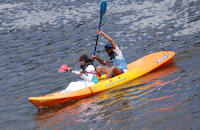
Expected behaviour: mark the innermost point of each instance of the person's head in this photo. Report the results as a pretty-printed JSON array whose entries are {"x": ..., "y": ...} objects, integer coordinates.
[
  {"x": 83, "y": 59},
  {"x": 108, "y": 48}
]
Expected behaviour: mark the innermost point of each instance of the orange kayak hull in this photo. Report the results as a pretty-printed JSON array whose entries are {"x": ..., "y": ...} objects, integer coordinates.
[{"x": 135, "y": 69}]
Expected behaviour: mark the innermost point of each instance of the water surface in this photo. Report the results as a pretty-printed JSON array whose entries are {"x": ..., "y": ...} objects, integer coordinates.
[{"x": 36, "y": 37}]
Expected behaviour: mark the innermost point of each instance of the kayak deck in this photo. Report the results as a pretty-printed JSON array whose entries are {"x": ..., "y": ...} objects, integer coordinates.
[{"x": 135, "y": 69}]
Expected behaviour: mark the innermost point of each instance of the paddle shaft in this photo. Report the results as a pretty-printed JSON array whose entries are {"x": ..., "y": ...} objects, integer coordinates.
[
  {"x": 76, "y": 72},
  {"x": 103, "y": 7},
  {"x": 97, "y": 37}
]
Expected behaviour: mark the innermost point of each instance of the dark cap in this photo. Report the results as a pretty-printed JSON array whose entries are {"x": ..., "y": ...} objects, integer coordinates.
[{"x": 108, "y": 46}]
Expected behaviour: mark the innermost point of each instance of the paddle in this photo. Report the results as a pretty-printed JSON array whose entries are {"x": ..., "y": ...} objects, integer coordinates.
[
  {"x": 102, "y": 12},
  {"x": 64, "y": 68}
]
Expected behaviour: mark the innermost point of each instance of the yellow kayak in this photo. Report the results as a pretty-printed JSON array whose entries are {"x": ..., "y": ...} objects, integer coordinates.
[{"x": 135, "y": 69}]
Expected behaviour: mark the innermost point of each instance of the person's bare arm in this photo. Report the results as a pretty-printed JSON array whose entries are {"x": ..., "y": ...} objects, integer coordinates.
[
  {"x": 108, "y": 38},
  {"x": 99, "y": 60}
]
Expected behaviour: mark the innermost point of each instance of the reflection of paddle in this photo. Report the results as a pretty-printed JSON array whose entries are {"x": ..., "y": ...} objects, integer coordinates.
[{"x": 102, "y": 12}]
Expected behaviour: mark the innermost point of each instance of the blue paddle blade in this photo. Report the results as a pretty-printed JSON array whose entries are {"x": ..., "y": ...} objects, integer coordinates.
[{"x": 103, "y": 7}]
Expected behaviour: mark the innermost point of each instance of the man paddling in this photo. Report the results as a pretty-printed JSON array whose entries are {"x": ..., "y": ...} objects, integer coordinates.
[{"x": 115, "y": 56}]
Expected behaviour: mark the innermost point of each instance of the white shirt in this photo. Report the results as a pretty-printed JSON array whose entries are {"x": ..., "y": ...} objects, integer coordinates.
[
  {"x": 90, "y": 73},
  {"x": 118, "y": 55}
]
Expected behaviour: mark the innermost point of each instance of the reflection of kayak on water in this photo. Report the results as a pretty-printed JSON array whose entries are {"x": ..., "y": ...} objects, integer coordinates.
[
  {"x": 50, "y": 117},
  {"x": 151, "y": 78},
  {"x": 136, "y": 69},
  {"x": 65, "y": 115}
]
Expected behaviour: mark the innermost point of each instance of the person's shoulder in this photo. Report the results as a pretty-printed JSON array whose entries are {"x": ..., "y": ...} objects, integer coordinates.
[
  {"x": 90, "y": 67},
  {"x": 117, "y": 49}
]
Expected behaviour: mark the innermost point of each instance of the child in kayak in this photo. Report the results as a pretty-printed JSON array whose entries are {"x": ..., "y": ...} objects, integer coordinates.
[
  {"x": 116, "y": 59},
  {"x": 87, "y": 72}
]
